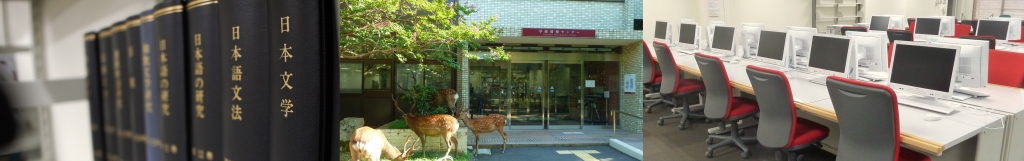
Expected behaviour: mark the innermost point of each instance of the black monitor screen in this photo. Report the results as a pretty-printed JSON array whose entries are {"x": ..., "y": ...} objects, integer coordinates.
[
  {"x": 723, "y": 38},
  {"x": 923, "y": 66},
  {"x": 660, "y": 29},
  {"x": 927, "y": 26},
  {"x": 829, "y": 53},
  {"x": 772, "y": 45},
  {"x": 993, "y": 28},
  {"x": 879, "y": 23},
  {"x": 687, "y": 33}
]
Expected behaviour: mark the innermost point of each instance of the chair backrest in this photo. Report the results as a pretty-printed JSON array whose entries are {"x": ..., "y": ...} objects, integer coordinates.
[
  {"x": 961, "y": 30},
  {"x": 1004, "y": 68},
  {"x": 869, "y": 116},
  {"x": 991, "y": 40},
  {"x": 716, "y": 84},
  {"x": 775, "y": 100},
  {"x": 904, "y": 35},
  {"x": 972, "y": 22},
  {"x": 650, "y": 67},
  {"x": 669, "y": 70},
  {"x": 852, "y": 28},
  {"x": 911, "y": 22}
]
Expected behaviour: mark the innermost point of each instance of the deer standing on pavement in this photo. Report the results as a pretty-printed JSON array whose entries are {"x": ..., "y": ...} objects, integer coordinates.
[
  {"x": 442, "y": 125},
  {"x": 370, "y": 143},
  {"x": 490, "y": 123}
]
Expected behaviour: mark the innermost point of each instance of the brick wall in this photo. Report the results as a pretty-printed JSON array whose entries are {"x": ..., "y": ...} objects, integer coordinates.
[{"x": 631, "y": 104}]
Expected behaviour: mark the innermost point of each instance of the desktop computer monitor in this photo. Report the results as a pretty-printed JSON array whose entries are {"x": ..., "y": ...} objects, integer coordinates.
[
  {"x": 660, "y": 30},
  {"x": 751, "y": 32},
  {"x": 928, "y": 26},
  {"x": 688, "y": 34},
  {"x": 798, "y": 44},
  {"x": 898, "y": 22},
  {"x": 999, "y": 29},
  {"x": 879, "y": 23},
  {"x": 1014, "y": 29},
  {"x": 973, "y": 69},
  {"x": 829, "y": 55},
  {"x": 771, "y": 48},
  {"x": 924, "y": 69},
  {"x": 870, "y": 51},
  {"x": 723, "y": 40},
  {"x": 711, "y": 28}
]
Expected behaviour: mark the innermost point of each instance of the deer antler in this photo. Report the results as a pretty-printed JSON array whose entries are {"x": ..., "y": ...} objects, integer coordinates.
[
  {"x": 396, "y": 104},
  {"x": 405, "y": 148},
  {"x": 408, "y": 91}
]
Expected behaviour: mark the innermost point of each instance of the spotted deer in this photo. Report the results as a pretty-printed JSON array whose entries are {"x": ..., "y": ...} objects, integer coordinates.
[
  {"x": 370, "y": 143},
  {"x": 446, "y": 98},
  {"x": 442, "y": 125},
  {"x": 490, "y": 123}
]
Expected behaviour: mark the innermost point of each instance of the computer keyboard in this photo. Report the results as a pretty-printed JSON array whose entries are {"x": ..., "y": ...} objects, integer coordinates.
[{"x": 926, "y": 103}]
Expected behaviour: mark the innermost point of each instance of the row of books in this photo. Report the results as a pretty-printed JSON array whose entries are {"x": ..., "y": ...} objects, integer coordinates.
[{"x": 242, "y": 80}]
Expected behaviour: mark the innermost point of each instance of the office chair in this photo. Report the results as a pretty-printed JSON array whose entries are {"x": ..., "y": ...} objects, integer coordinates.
[
  {"x": 672, "y": 85},
  {"x": 911, "y": 22},
  {"x": 778, "y": 126},
  {"x": 973, "y": 23},
  {"x": 961, "y": 30},
  {"x": 991, "y": 40},
  {"x": 1004, "y": 68},
  {"x": 869, "y": 116},
  {"x": 852, "y": 28},
  {"x": 652, "y": 76},
  {"x": 904, "y": 35},
  {"x": 720, "y": 105}
]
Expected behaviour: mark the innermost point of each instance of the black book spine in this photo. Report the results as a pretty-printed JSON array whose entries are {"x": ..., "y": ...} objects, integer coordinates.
[
  {"x": 303, "y": 62},
  {"x": 206, "y": 78},
  {"x": 107, "y": 80},
  {"x": 151, "y": 92},
  {"x": 121, "y": 93},
  {"x": 136, "y": 132},
  {"x": 247, "y": 104},
  {"x": 173, "y": 79},
  {"x": 95, "y": 95}
]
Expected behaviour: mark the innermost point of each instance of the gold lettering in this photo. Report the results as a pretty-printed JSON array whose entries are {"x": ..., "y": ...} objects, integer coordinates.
[
  {"x": 199, "y": 53},
  {"x": 131, "y": 52},
  {"x": 235, "y": 54},
  {"x": 199, "y": 111},
  {"x": 209, "y": 155},
  {"x": 285, "y": 27},
  {"x": 287, "y": 105},
  {"x": 145, "y": 49},
  {"x": 236, "y": 112},
  {"x": 237, "y": 89},
  {"x": 200, "y": 154},
  {"x": 236, "y": 73},
  {"x": 131, "y": 82},
  {"x": 199, "y": 68},
  {"x": 163, "y": 44},
  {"x": 199, "y": 39},
  {"x": 286, "y": 76},
  {"x": 235, "y": 35},
  {"x": 285, "y": 54}
]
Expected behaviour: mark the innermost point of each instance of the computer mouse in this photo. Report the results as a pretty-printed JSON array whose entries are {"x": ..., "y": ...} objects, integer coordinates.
[{"x": 932, "y": 117}]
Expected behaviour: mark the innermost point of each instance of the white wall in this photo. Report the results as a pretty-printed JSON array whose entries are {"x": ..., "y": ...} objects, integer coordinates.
[
  {"x": 775, "y": 14},
  {"x": 64, "y": 24},
  {"x": 669, "y": 11}
]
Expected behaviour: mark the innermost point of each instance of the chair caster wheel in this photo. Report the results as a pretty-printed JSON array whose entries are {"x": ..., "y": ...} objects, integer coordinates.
[
  {"x": 682, "y": 126},
  {"x": 800, "y": 157},
  {"x": 740, "y": 132},
  {"x": 708, "y": 154},
  {"x": 661, "y": 122},
  {"x": 709, "y": 141},
  {"x": 707, "y": 120},
  {"x": 745, "y": 155}
]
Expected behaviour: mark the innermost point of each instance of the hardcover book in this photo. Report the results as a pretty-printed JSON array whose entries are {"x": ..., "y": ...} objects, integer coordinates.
[
  {"x": 136, "y": 131},
  {"x": 303, "y": 69},
  {"x": 107, "y": 80},
  {"x": 206, "y": 76},
  {"x": 95, "y": 95},
  {"x": 121, "y": 99},
  {"x": 246, "y": 67},
  {"x": 173, "y": 80},
  {"x": 149, "y": 84}
]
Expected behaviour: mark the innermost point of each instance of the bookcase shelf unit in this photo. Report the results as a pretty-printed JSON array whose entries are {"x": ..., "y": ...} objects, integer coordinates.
[{"x": 836, "y": 12}]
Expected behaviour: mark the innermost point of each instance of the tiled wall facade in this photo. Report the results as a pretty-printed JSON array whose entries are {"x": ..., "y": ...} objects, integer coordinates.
[{"x": 631, "y": 104}]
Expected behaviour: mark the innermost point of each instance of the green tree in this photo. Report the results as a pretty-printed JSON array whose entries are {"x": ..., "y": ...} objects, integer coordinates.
[{"x": 414, "y": 29}]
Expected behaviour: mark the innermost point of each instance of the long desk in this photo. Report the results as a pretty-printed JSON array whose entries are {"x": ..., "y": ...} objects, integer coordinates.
[{"x": 930, "y": 137}]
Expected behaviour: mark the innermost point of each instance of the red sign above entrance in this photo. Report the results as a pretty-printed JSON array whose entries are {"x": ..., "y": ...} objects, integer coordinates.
[{"x": 544, "y": 32}]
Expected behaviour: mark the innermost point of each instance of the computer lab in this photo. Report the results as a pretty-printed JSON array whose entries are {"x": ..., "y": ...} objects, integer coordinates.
[{"x": 846, "y": 80}]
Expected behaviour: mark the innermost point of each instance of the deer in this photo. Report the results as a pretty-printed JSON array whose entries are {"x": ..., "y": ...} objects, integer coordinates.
[
  {"x": 490, "y": 123},
  {"x": 442, "y": 125},
  {"x": 370, "y": 143},
  {"x": 446, "y": 98}
]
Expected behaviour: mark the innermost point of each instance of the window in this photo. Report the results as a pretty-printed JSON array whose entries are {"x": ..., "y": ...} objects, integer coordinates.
[
  {"x": 376, "y": 76},
  {"x": 350, "y": 76},
  {"x": 995, "y": 8},
  {"x": 432, "y": 75}
]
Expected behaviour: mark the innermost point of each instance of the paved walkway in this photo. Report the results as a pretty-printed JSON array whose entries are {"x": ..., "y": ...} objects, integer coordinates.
[
  {"x": 581, "y": 153},
  {"x": 573, "y": 137}
]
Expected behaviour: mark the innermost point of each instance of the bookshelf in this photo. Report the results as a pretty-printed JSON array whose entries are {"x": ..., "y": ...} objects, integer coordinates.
[{"x": 836, "y": 12}]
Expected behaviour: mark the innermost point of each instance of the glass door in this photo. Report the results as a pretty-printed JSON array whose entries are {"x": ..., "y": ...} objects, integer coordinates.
[
  {"x": 528, "y": 88},
  {"x": 564, "y": 94}
]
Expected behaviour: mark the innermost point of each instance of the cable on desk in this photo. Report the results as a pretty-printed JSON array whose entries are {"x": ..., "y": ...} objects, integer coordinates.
[{"x": 976, "y": 112}]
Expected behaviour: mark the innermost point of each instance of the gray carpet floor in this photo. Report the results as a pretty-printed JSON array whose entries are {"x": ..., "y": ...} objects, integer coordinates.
[{"x": 668, "y": 143}]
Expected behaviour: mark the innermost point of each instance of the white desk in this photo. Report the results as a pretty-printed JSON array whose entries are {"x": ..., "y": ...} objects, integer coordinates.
[{"x": 929, "y": 137}]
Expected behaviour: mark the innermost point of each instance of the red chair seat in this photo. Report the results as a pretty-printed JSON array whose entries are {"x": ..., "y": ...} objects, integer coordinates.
[
  {"x": 656, "y": 79},
  {"x": 910, "y": 155},
  {"x": 688, "y": 85},
  {"x": 806, "y": 132},
  {"x": 741, "y": 106}
]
